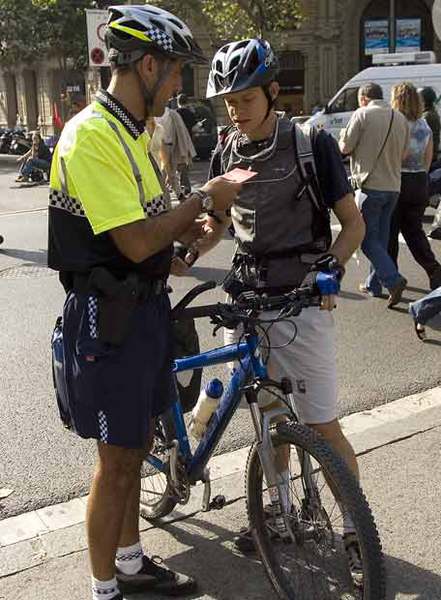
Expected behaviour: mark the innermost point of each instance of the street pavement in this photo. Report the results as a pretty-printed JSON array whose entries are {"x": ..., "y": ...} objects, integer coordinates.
[
  {"x": 379, "y": 357},
  {"x": 399, "y": 453}
]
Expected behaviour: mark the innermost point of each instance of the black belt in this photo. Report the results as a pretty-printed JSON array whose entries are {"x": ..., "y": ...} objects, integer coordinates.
[{"x": 145, "y": 288}]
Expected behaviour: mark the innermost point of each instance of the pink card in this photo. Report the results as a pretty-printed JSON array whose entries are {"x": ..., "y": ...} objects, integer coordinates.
[{"x": 239, "y": 175}]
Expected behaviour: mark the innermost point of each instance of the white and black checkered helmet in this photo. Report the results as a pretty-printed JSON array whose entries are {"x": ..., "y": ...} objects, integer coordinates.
[
  {"x": 133, "y": 29},
  {"x": 241, "y": 65}
]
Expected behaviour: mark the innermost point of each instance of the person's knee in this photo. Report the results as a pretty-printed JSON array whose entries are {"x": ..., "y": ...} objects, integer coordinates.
[{"x": 119, "y": 466}]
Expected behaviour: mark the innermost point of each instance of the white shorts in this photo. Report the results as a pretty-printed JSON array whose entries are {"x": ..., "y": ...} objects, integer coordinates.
[{"x": 309, "y": 362}]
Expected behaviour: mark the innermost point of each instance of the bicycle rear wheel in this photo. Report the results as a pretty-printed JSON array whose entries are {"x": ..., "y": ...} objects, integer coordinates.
[
  {"x": 157, "y": 497},
  {"x": 307, "y": 560}
]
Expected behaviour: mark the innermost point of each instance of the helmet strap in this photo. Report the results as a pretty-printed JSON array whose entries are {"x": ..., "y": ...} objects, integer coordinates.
[
  {"x": 271, "y": 101},
  {"x": 149, "y": 95}
]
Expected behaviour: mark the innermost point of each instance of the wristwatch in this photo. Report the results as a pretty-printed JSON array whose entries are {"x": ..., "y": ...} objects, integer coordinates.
[{"x": 207, "y": 202}]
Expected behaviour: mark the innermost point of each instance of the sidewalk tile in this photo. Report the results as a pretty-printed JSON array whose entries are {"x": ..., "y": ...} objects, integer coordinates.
[
  {"x": 20, "y": 528},
  {"x": 63, "y": 515}
]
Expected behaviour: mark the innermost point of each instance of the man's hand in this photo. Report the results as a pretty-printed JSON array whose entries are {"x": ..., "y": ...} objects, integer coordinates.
[
  {"x": 193, "y": 233},
  {"x": 223, "y": 192},
  {"x": 179, "y": 267}
]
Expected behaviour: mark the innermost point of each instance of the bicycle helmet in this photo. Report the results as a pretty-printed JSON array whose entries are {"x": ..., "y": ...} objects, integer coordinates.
[
  {"x": 132, "y": 30},
  {"x": 241, "y": 65},
  {"x": 428, "y": 95}
]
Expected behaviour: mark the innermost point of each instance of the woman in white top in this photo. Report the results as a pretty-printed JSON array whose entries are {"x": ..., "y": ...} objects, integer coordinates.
[{"x": 414, "y": 197}]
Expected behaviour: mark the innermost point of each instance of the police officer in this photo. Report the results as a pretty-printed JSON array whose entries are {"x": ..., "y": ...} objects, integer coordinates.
[
  {"x": 282, "y": 229},
  {"x": 110, "y": 237}
]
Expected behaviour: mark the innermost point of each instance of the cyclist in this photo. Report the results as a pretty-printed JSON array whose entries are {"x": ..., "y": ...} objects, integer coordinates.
[
  {"x": 283, "y": 233},
  {"x": 110, "y": 237}
]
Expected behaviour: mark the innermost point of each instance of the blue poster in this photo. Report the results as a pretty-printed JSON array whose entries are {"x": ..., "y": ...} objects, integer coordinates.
[
  {"x": 408, "y": 35},
  {"x": 376, "y": 37}
]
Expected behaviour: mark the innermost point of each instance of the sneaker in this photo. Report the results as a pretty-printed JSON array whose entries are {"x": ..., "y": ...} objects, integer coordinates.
[
  {"x": 364, "y": 290},
  {"x": 20, "y": 179},
  {"x": 435, "y": 279},
  {"x": 352, "y": 549},
  {"x": 244, "y": 541},
  {"x": 155, "y": 576},
  {"x": 396, "y": 292}
]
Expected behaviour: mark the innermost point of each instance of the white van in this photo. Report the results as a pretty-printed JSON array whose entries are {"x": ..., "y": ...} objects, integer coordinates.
[{"x": 422, "y": 73}]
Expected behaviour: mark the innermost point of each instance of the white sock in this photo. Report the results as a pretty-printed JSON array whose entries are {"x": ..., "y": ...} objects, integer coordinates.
[
  {"x": 129, "y": 559},
  {"x": 104, "y": 590}
]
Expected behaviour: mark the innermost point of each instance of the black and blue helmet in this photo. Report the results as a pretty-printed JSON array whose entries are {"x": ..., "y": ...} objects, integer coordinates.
[{"x": 241, "y": 65}]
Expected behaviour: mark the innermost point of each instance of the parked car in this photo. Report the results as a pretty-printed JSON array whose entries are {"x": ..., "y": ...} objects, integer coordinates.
[{"x": 204, "y": 133}]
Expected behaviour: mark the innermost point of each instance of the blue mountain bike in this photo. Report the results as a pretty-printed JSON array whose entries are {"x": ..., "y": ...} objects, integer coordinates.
[{"x": 298, "y": 491}]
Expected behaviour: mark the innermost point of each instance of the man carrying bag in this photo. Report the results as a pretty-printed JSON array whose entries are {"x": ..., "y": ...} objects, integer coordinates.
[{"x": 376, "y": 171}]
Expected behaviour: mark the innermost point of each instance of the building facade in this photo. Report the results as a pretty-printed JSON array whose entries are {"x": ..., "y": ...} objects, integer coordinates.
[{"x": 330, "y": 46}]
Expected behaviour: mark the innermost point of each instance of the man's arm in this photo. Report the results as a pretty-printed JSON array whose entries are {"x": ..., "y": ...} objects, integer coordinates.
[
  {"x": 142, "y": 239},
  {"x": 352, "y": 228},
  {"x": 350, "y": 136}
]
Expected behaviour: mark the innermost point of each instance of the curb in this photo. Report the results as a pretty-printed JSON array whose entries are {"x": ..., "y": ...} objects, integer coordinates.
[{"x": 29, "y": 539}]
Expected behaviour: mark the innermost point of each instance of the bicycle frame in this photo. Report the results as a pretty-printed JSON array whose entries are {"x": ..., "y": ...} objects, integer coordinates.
[{"x": 250, "y": 365}]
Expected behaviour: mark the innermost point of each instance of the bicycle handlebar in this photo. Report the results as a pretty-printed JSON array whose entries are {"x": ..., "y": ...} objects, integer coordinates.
[{"x": 246, "y": 306}]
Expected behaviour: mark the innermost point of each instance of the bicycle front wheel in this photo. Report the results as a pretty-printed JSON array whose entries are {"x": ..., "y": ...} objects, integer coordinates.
[{"x": 304, "y": 552}]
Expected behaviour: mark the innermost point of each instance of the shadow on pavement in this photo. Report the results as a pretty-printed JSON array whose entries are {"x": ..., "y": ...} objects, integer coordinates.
[
  {"x": 32, "y": 257},
  {"x": 222, "y": 573},
  {"x": 405, "y": 579},
  {"x": 353, "y": 296}
]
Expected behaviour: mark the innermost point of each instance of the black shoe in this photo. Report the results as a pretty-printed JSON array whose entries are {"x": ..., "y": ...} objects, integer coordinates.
[
  {"x": 396, "y": 292},
  {"x": 435, "y": 279},
  {"x": 155, "y": 576},
  {"x": 244, "y": 541}
]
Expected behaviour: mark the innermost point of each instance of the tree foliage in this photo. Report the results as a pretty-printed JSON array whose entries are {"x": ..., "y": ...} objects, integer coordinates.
[
  {"x": 230, "y": 20},
  {"x": 30, "y": 29}
]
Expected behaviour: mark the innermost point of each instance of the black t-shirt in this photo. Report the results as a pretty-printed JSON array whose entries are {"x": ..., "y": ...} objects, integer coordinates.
[
  {"x": 331, "y": 171},
  {"x": 188, "y": 117}
]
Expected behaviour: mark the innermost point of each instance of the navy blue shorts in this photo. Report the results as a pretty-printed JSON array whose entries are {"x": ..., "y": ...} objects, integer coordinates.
[{"x": 113, "y": 392}]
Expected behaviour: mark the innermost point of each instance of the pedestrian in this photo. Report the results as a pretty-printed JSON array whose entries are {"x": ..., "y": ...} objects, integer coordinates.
[
  {"x": 283, "y": 234},
  {"x": 38, "y": 157},
  {"x": 189, "y": 119},
  {"x": 413, "y": 200},
  {"x": 178, "y": 152},
  {"x": 426, "y": 312},
  {"x": 110, "y": 239},
  {"x": 376, "y": 139},
  {"x": 186, "y": 114},
  {"x": 430, "y": 114}
]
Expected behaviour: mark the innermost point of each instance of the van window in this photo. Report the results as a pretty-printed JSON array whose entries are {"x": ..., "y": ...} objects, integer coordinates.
[{"x": 347, "y": 101}]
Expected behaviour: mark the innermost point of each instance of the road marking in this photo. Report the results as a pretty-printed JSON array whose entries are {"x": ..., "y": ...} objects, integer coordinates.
[{"x": 20, "y": 212}]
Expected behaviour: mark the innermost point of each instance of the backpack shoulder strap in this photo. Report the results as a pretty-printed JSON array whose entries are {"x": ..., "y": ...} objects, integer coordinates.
[{"x": 303, "y": 138}]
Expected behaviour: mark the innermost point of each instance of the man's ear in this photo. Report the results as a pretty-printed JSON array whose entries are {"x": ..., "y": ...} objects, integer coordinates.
[
  {"x": 274, "y": 89},
  {"x": 148, "y": 65}
]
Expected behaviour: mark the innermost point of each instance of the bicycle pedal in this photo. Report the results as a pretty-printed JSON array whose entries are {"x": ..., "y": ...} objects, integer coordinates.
[{"x": 218, "y": 502}]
